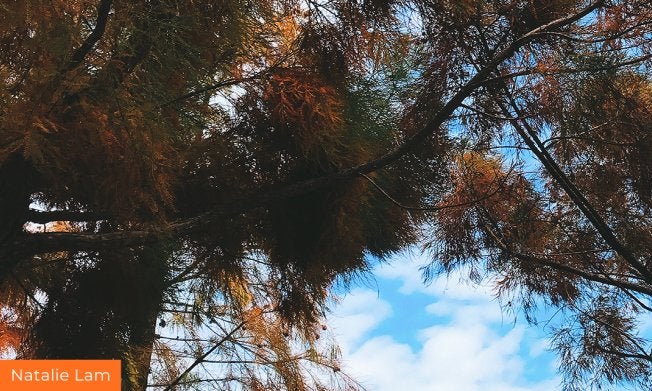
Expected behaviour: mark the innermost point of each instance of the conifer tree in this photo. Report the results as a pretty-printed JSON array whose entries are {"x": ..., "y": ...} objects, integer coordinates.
[{"x": 182, "y": 182}]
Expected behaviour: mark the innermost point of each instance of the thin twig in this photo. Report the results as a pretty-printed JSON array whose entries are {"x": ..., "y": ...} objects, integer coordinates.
[{"x": 201, "y": 359}]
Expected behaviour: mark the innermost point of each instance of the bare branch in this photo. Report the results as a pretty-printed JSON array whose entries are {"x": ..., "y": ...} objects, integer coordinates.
[
  {"x": 203, "y": 357},
  {"x": 435, "y": 208}
]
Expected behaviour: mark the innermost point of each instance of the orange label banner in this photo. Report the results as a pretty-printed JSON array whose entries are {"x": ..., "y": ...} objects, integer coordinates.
[{"x": 60, "y": 375}]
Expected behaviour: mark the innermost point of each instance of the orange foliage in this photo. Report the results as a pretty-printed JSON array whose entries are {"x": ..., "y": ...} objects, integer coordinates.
[
  {"x": 10, "y": 335},
  {"x": 306, "y": 105},
  {"x": 485, "y": 194}
]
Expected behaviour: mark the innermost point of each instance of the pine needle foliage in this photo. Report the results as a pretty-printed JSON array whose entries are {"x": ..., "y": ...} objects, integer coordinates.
[{"x": 183, "y": 181}]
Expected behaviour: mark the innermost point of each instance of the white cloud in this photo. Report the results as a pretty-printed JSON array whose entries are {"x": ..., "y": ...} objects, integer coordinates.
[
  {"x": 464, "y": 349},
  {"x": 405, "y": 268},
  {"x": 359, "y": 313},
  {"x": 538, "y": 347}
]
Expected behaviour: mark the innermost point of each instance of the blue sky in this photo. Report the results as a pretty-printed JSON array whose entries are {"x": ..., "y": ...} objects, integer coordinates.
[{"x": 397, "y": 333}]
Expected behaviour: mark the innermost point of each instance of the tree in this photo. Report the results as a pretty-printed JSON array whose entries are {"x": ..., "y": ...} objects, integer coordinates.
[{"x": 214, "y": 167}]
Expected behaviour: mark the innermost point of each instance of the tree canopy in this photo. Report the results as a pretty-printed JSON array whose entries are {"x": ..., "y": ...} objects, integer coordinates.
[{"x": 183, "y": 181}]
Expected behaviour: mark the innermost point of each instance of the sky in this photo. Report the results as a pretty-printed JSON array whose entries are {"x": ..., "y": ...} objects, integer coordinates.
[{"x": 397, "y": 333}]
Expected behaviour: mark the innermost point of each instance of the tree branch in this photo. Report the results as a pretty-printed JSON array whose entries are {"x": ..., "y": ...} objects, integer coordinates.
[
  {"x": 78, "y": 56},
  {"x": 43, "y": 217},
  {"x": 203, "y": 357},
  {"x": 566, "y": 268},
  {"x": 558, "y": 71},
  {"x": 433, "y": 208},
  {"x": 530, "y": 137}
]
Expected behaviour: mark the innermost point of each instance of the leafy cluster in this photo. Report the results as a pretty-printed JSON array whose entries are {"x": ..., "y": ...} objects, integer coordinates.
[{"x": 182, "y": 182}]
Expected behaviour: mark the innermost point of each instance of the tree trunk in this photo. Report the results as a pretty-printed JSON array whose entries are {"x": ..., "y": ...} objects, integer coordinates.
[
  {"x": 141, "y": 343},
  {"x": 17, "y": 180}
]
